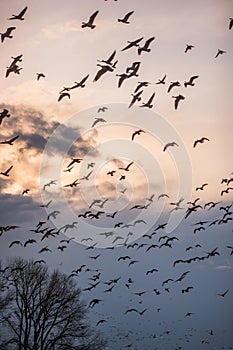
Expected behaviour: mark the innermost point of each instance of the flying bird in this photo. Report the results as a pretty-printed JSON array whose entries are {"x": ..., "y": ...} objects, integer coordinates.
[
  {"x": 191, "y": 81},
  {"x": 201, "y": 187},
  {"x": 127, "y": 167},
  {"x": 102, "y": 109},
  {"x": 146, "y": 46},
  {"x": 98, "y": 120},
  {"x": 202, "y": 140},
  {"x": 62, "y": 95},
  {"x": 136, "y": 97},
  {"x": 223, "y": 294},
  {"x": 188, "y": 48},
  {"x": 73, "y": 161},
  {"x": 137, "y": 132},
  {"x": 11, "y": 141},
  {"x": 170, "y": 144},
  {"x": 6, "y": 173},
  {"x": 132, "y": 44},
  {"x": 20, "y": 15},
  {"x": 126, "y": 18},
  {"x": 230, "y": 23},
  {"x": 90, "y": 21},
  {"x": 7, "y": 34},
  {"x": 172, "y": 85},
  {"x": 220, "y": 52},
  {"x": 178, "y": 98},
  {"x": 4, "y": 114},
  {"x": 40, "y": 75},
  {"x": 140, "y": 85},
  {"x": 149, "y": 102},
  {"x": 161, "y": 81}
]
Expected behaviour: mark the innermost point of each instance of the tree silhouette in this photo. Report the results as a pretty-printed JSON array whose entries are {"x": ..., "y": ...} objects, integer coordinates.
[{"x": 42, "y": 310}]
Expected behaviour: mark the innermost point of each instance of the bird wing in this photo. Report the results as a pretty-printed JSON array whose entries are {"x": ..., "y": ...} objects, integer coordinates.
[
  {"x": 84, "y": 79},
  {"x": 100, "y": 72},
  {"x": 111, "y": 57},
  {"x": 151, "y": 98},
  {"x": 9, "y": 169},
  {"x": 93, "y": 16},
  {"x": 147, "y": 43},
  {"x": 127, "y": 16},
  {"x": 22, "y": 12},
  {"x": 62, "y": 95},
  {"x": 14, "y": 138},
  {"x": 9, "y": 30},
  {"x": 191, "y": 80}
]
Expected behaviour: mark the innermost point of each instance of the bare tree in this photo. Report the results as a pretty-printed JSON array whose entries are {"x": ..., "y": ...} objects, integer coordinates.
[{"x": 42, "y": 310}]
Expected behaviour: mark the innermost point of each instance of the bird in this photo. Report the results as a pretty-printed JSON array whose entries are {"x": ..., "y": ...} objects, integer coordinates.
[
  {"x": 6, "y": 173},
  {"x": 94, "y": 302},
  {"x": 170, "y": 144},
  {"x": 80, "y": 84},
  {"x": 122, "y": 76},
  {"x": 126, "y": 18},
  {"x": 86, "y": 177},
  {"x": 103, "y": 69},
  {"x": 130, "y": 310},
  {"x": 151, "y": 271},
  {"x": 177, "y": 98},
  {"x": 4, "y": 114},
  {"x": 52, "y": 182},
  {"x": 136, "y": 97},
  {"x": 53, "y": 214},
  {"x": 15, "y": 242},
  {"x": 132, "y": 43},
  {"x": 137, "y": 132},
  {"x": 44, "y": 249},
  {"x": 226, "y": 191},
  {"x": 90, "y": 21},
  {"x": 161, "y": 81},
  {"x": 40, "y": 75},
  {"x": 202, "y": 140},
  {"x": 146, "y": 46},
  {"x": 7, "y": 34},
  {"x": 10, "y": 142},
  {"x": 100, "y": 321},
  {"x": 201, "y": 187},
  {"x": 149, "y": 102},
  {"x": 230, "y": 23},
  {"x": 186, "y": 290},
  {"x": 73, "y": 161},
  {"x": 191, "y": 81},
  {"x": 98, "y": 120},
  {"x": 109, "y": 62},
  {"x": 102, "y": 109},
  {"x": 127, "y": 167},
  {"x": 172, "y": 85},
  {"x": 29, "y": 241},
  {"x": 162, "y": 196},
  {"x": 62, "y": 95},
  {"x": 25, "y": 191},
  {"x": 220, "y": 52},
  {"x": 223, "y": 294},
  {"x": 20, "y": 15},
  {"x": 188, "y": 48},
  {"x": 140, "y": 85}
]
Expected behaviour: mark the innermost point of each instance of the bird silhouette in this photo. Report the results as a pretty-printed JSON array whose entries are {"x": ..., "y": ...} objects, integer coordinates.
[
  {"x": 230, "y": 23},
  {"x": 7, "y": 34},
  {"x": 6, "y": 173},
  {"x": 11, "y": 141},
  {"x": 201, "y": 187},
  {"x": 40, "y": 75},
  {"x": 220, "y": 52},
  {"x": 20, "y": 15},
  {"x": 103, "y": 69},
  {"x": 102, "y": 109},
  {"x": 86, "y": 177},
  {"x": 148, "y": 104},
  {"x": 62, "y": 95},
  {"x": 146, "y": 46},
  {"x": 140, "y": 85},
  {"x": 132, "y": 44},
  {"x": 177, "y": 98},
  {"x": 161, "y": 81},
  {"x": 191, "y": 81},
  {"x": 73, "y": 161},
  {"x": 137, "y": 132},
  {"x": 136, "y": 97},
  {"x": 126, "y": 18},
  {"x": 202, "y": 140},
  {"x": 223, "y": 294},
  {"x": 15, "y": 242},
  {"x": 127, "y": 167},
  {"x": 188, "y": 48},
  {"x": 170, "y": 144},
  {"x": 172, "y": 85},
  {"x": 98, "y": 120},
  {"x": 4, "y": 114},
  {"x": 90, "y": 22}
]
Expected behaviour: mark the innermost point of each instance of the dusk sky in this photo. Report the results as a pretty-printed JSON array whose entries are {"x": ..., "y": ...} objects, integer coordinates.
[{"x": 137, "y": 166}]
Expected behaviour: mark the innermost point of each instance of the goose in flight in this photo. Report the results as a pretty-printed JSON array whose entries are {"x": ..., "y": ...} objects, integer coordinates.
[
  {"x": 146, "y": 46},
  {"x": 172, "y": 85},
  {"x": 98, "y": 120},
  {"x": 230, "y": 23},
  {"x": 201, "y": 187},
  {"x": 220, "y": 52},
  {"x": 126, "y": 18},
  {"x": 122, "y": 76},
  {"x": 149, "y": 102},
  {"x": 109, "y": 60},
  {"x": 86, "y": 177},
  {"x": 7, "y": 34},
  {"x": 137, "y": 132},
  {"x": 161, "y": 81},
  {"x": 103, "y": 69},
  {"x": 46, "y": 205},
  {"x": 52, "y": 182},
  {"x": 40, "y": 75},
  {"x": 102, "y": 109},
  {"x": 136, "y": 97},
  {"x": 11, "y": 141},
  {"x": 62, "y": 95},
  {"x": 127, "y": 167},
  {"x": 170, "y": 144},
  {"x": 140, "y": 85},
  {"x": 53, "y": 214},
  {"x": 20, "y": 15},
  {"x": 188, "y": 48},
  {"x": 223, "y": 294},
  {"x": 132, "y": 43},
  {"x": 73, "y": 161},
  {"x": 202, "y": 140},
  {"x": 191, "y": 81},
  {"x": 90, "y": 21},
  {"x": 6, "y": 173},
  {"x": 4, "y": 114},
  {"x": 17, "y": 59},
  {"x": 177, "y": 98},
  {"x": 25, "y": 191}
]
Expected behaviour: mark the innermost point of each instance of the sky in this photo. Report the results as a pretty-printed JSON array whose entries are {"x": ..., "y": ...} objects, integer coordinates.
[{"x": 53, "y": 131}]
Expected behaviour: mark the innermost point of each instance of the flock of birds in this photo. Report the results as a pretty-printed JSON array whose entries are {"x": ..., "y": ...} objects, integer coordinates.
[{"x": 128, "y": 256}]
